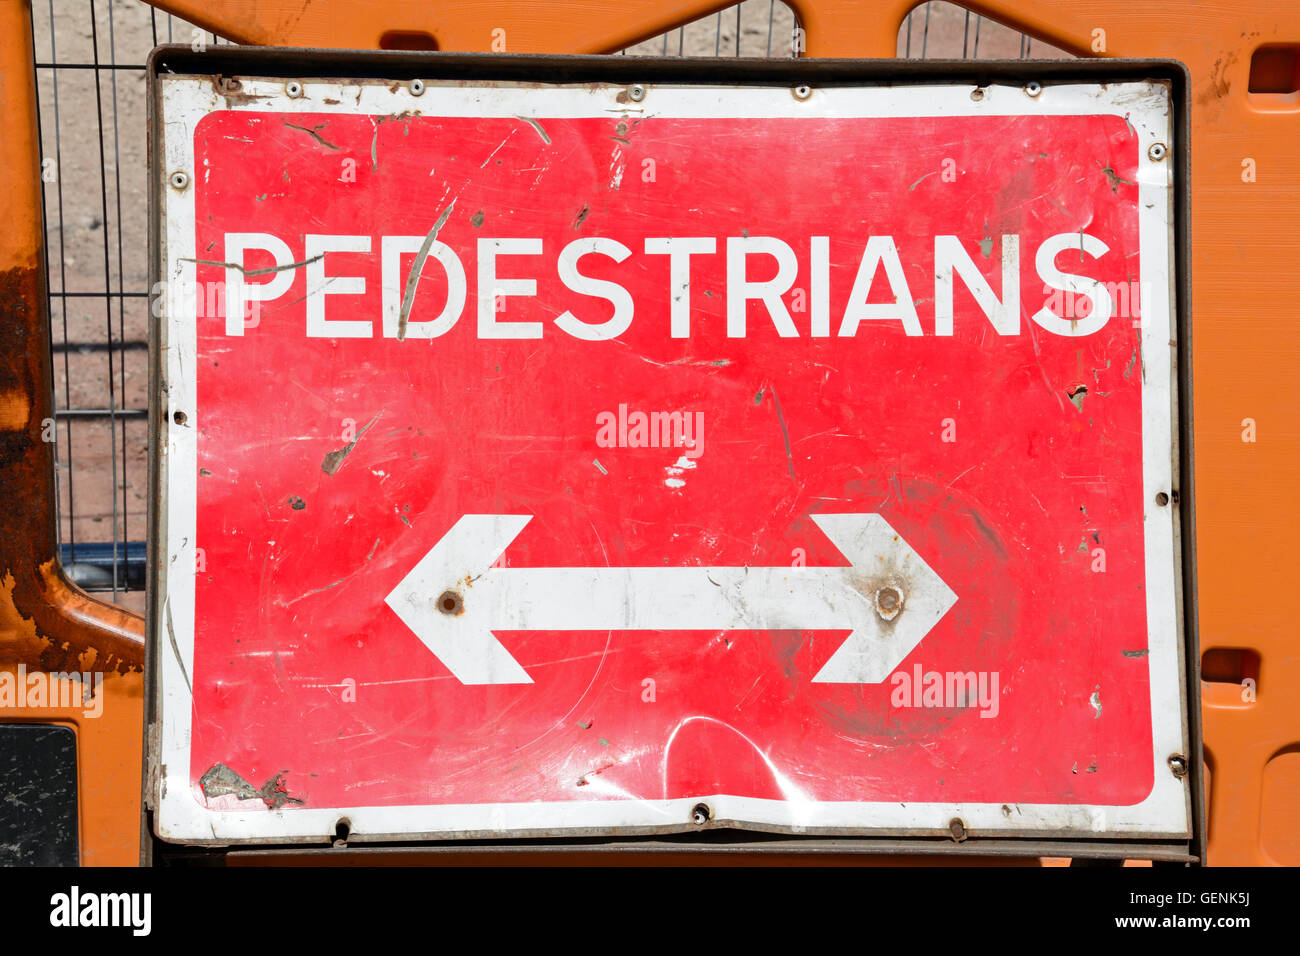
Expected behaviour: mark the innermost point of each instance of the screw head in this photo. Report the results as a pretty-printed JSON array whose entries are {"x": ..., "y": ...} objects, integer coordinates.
[
  {"x": 450, "y": 602},
  {"x": 889, "y": 602},
  {"x": 636, "y": 93},
  {"x": 417, "y": 87},
  {"x": 977, "y": 94},
  {"x": 179, "y": 179},
  {"x": 1033, "y": 88},
  {"x": 957, "y": 827},
  {"x": 1158, "y": 151},
  {"x": 701, "y": 814},
  {"x": 802, "y": 92},
  {"x": 1178, "y": 765},
  {"x": 293, "y": 88}
]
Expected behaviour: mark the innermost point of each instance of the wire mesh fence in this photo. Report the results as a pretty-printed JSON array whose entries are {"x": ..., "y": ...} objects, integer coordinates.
[{"x": 90, "y": 80}]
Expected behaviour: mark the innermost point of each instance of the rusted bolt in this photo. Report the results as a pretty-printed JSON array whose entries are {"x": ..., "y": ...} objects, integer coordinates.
[
  {"x": 417, "y": 87},
  {"x": 889, "y": 602},
  {"x": 179, "y": 179},
  {"x": 230, "y": 85},
  {"x": 802, "y": 92},
  {"x": 1033, "y": 88},
  {"x": 1158, "y": 151},
  {"x": 701, "y": 814},
  {"x": 977, "y": 94},
  {"x": 957, "y": 827},
  {"x": 179, "y": 417},
  {"x": 636, "y": 93},
  {"x": 1162, "y": 499},
  {"x": 1178, "y": 765},
  {"x": 450, "y": 602},
  {"x": 293, "y": 88}
]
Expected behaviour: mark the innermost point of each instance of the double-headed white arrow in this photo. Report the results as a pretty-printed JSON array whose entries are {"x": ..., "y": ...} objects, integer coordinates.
[{"x": 454, "y": 599}]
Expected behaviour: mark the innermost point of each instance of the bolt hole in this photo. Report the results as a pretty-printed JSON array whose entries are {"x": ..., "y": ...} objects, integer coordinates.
[
  {"x": 449, "y": 602},
  {"x": 342, "y": 830},
  {"x": 407, "y": 40},
  {"x": 1162, "y": 499},
  {"x": 179, "y": 417},
  {"x": 701, "y": 814},
  {"x": 977, "y": 94}
]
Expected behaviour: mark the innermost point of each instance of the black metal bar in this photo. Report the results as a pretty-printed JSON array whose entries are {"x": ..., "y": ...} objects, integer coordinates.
[
  {"x": 90, "y": 66},
  {"x": 63, "y": 280},
  {"x": 121, "y": 269},
  {"x": 106, "y": 293},
  {"x": 108, "y": 271},
  {"x": 82, "y": 347},
  {"x": 98, "y": 413}
]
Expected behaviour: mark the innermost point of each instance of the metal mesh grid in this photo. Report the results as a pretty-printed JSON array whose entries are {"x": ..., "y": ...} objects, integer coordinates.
[
  {"x": 90, "y": 85},
  {"x": 90, "y": 79}
]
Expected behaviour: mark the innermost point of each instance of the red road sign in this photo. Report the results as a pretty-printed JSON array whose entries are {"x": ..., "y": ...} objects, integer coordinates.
[{"x": 556, "y": 458}]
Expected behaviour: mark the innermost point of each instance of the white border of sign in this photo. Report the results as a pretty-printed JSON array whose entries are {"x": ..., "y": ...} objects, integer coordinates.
[{"x": 181, "y": 816}]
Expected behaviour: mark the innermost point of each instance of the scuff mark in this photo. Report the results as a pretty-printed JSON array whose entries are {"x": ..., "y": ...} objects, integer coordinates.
[
  {"x": 1077, "y": 395},
  {"x": 313, "y": 591},
  {"x": 1115, "y": 179},
  {"x": 581, "y": 217},
  {"x": 785, "y": 433},
  {"x": 1132, "y": 360},
  {"x": 220, "y": 780},
  {"x": 313, "y": 134},
  {"x": 476, "y": 220},
  {"x": 537, "y": 126},
  {"x": 921, "y": 180},
  {"x": 335, "y": 458},
  {"x": 254, "y": 272},
  {"x": 1143, "y": 652},
  {"x": 413, "y": 280},
  {"x": 1095, "y": 701},
  {"x": 176, "y": 649}
]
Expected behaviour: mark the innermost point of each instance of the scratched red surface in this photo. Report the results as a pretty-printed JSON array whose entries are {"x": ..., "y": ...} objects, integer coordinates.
[{"x": 290, "y": 600}]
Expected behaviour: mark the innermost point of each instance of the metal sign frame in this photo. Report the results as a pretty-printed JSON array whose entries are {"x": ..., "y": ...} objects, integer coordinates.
[{"x": 230, "y": 71}]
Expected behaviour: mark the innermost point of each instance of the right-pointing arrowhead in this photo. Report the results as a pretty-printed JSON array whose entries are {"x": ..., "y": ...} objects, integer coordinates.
[
  {"x": 875, "y": 648},
  {"x": 460, "y": 634}
]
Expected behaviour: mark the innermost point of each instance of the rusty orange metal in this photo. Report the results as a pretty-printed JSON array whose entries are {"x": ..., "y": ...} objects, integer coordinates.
[
  {"x": 1245, "y": 220},
  {"x": 46, "y": 623}
]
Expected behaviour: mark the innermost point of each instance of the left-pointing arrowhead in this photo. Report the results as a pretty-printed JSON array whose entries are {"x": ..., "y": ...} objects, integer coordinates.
[
  {"x": 875, "y": 648},
  {"x": 460, "y": 633}
]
